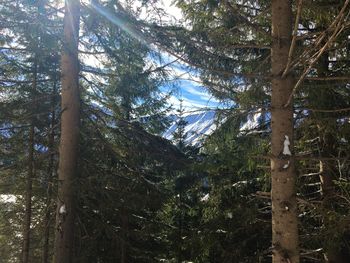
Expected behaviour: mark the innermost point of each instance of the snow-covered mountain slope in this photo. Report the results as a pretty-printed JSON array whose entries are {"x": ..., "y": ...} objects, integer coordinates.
[
  {"x": 199, "y": 125},
  {"x": 252, "y": 122}
]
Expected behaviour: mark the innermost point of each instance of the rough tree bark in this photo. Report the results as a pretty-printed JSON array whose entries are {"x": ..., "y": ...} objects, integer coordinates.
[
  {"x": 284, "y": 206},
  {"x": 68, "y": 149}
]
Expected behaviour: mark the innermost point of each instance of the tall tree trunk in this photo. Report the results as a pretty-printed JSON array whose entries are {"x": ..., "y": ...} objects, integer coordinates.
[
  {"x": 326, "y": 125},
  {"x": 28, "y": 198},
  {"x": 180, "y": 231},
  {"x": 283, "y": 193},
  {"x": 50, "y": 175},
  {"x": 29, "y": 178},
  {"x": 124, "y": 232},
  {"x": 68, "y": 149}
]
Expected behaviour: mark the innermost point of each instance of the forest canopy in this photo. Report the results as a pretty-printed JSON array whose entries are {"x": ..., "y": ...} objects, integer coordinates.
[{"x": 103, "y": 158}]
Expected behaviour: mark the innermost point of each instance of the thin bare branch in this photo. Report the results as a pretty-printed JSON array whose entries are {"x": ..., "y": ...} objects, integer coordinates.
[
  {"x": 338, "y": 28},
  {"x": 295, "y": 32}
]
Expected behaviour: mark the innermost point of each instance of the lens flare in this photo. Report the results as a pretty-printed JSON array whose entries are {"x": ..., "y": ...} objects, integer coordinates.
[{"x": 122, "y": 24}]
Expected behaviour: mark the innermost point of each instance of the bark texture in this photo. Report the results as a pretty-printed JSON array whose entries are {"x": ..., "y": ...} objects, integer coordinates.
[
  {"x": 68, "y": 149},
  {"x": 284, "y": 206}
]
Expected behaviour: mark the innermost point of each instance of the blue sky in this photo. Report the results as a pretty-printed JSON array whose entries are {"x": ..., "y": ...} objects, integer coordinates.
[
  {"x": 194, "y": 97},
  {"x": 187, "y": 87},
  {"x": 184, "y": 83}
]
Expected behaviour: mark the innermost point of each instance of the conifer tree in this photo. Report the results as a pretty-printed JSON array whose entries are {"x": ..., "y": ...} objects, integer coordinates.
[
  {"x": 69, "y": 141},
  {"x": 26, "y": 50},
  {"x": 134, "y": 197},
  {"x": 179, "y": 135},
  {"x": 285, "y": 240},
  {"x": 133, "y": 78}
]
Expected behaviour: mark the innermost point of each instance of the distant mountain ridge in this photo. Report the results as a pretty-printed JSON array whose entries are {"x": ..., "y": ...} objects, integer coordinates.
[
  {"x": 199, "y": 126},
  {"x": 202, "y": 124}
]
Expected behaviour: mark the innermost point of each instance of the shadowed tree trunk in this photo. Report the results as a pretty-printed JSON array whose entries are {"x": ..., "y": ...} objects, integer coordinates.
[
  {"x": 68, "y": 149},
  {"x": 180, "y": 231},
  {"x": 28, "y": 197},
  {"x": 124, "y": 233},
  {"x": 50, "y": 175},
  {"x": 29, "y": 178},
  {"x": 327, "y": 130},
  {"x": 283, "y": 176}
]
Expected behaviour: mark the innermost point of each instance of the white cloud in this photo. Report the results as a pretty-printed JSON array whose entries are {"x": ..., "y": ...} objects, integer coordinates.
[{"x": 201, "y": 92}]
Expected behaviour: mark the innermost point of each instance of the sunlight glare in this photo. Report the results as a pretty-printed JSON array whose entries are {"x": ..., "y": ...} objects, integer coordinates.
[{"x": 117, "y": 21}]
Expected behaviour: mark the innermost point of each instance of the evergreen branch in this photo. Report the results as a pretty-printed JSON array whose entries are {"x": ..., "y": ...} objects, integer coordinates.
[
  {"x": 152, "y": 70},
  {"x": 214, "y": 70},
  {"x": 40, "y": 157},
  {"x": 301, "y": 157},
  {"x": 91, "y": 52},
  {"x": 14, "y": 127},
  {"x": 13, "y": 48},
  {"x": 5, "y": 81},
  {"x": 98, "y": 72},
  {"x": 340, "y": 78},
  {"x": 149, "y": 40},
  {"x": 330, "y": 111},
  {"x": 233, "y": 45},
  {"x": 236, "y": 11}
]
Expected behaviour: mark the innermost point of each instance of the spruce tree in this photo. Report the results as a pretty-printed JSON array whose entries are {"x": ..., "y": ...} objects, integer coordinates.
[
  {"x": 69, "y": 141},
  {"x": 285, "y": 240},
  {"x": 28, "y": 58},
  {"x": 179, "y": 135}
]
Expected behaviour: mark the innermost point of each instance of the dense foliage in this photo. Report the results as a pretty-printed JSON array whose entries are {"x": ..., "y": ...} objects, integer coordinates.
[{"x": 141, "y": 198}]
